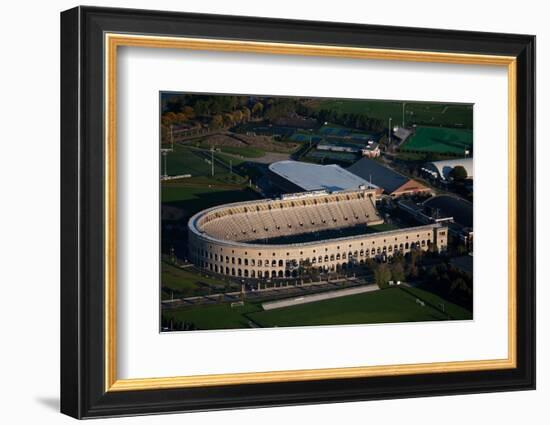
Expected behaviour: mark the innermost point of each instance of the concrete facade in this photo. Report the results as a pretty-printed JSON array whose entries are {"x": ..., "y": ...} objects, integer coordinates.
[{"x": 241, "y": 259}]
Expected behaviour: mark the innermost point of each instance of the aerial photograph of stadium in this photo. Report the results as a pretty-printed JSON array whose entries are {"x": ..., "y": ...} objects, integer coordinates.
[{"x": 306, "y": 211}]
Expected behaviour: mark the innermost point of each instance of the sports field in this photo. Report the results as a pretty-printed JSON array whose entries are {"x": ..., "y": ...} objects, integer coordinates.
[
  {"x": 187, "y": 160},
  {"x": 439, "y": 140},
  {"x": 384, "y": 306},
  {"x": 182, "y": 283},
  {"x": 455, "y": 115},
  {"x": 246, "y": 152},
  {"x": 217, "y": 316},
  {"x": 328, "y": 157},
  {"x": 202, "y": 190},
  {"x": 193, "y": 195}
]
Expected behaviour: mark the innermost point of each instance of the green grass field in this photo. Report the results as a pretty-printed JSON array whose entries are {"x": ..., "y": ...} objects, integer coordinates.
[
  {"x": 185, "y": 283},
  {"x": 217, "y": 316},
  {"x": 194, "y": 195},
  {"x": 439, "y": 140},
  {"x": 455, "y": 311},
  {"x": 385, "y": 306},
  {"x": 186, "y": 160},
  {"x": 415, "y": 112}
]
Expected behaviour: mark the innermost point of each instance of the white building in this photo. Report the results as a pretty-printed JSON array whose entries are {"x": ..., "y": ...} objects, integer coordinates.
[{"x": 441, "y": 169}]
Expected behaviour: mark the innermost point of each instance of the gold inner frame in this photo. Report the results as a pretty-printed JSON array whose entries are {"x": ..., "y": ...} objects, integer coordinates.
[{"x": 113, "y": 41}]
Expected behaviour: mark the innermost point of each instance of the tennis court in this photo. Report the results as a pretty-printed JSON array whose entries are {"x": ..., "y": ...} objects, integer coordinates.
[{"x": 439, "y": 140}]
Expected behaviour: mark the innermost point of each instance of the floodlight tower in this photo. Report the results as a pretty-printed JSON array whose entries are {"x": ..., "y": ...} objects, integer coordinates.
[
  {"x": 389, "y": 132},
  {"x": 403, "y": 118},
  {"x": 164, "y": 155}
]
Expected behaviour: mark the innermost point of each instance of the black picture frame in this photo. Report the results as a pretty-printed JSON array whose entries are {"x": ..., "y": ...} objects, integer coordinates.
[{"x": 83, "y": 392}]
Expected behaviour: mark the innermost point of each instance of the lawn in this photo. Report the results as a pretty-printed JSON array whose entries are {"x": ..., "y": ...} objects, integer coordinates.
[
  {"x": 439, "y": 140},
  {"x": 217, "y": 316},
  {"x": 195, "y": 195},
  {"x": 385, "y": 306},
  {"x": 186, "y": 283},
  {"x": 455, "y": 311},
  {"x": 454, "y": 115},
  {"x": 186, "y": 160}
]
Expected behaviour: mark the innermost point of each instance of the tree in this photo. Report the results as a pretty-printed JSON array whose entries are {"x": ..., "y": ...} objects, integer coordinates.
[
  {"x": 217, "y": 121},
  {"x": 461, "y": 249},
  {"x": 228, "y": 120},
  {"x": 306, "y": 268},
  {"x": 397, "y": 271},
  {"x": 188, "y": 111},
  {"x": 414, "y": 256},
  {"x": 246, "y": 114},
  {"x": 169, "y": 118},
  {"x": 459, "y": 284},
  {"x": 258, "y": 109},
  {"x": 237, "y": 116},
  {"x": 201, "y": 107},
  {"x": 180, "y": 118},
  {"x": 382, "y": 274},
  {"x": 458, "y": 173}
]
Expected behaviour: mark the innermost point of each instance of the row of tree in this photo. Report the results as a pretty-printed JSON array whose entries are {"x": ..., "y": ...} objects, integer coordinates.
[
  {"x": 399, "y": 269},
  {"x": 450, "y": 283},
  {"x": 202, "y": 104},
  {"x": 350, "y": 120},
  {"x": 226, "y": 119},
  {"x": 218, "y": 111},
  {"x": 442, "y": 279},
  {"x": 225, "y": 111}
]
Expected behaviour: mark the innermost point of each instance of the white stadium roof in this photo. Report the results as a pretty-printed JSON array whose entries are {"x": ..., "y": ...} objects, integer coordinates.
[
  {"x": 311, "y": 177},
  {"x": 444, "y": 167}
]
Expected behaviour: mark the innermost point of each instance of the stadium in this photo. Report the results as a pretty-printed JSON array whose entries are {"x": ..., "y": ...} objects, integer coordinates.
[{"x": 300, "y": 234}]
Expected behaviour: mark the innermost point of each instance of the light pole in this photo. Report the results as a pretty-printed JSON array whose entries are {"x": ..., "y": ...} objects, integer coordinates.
[
  {"x": 172, "y": 137},
  {"x": 212, "y": 160},
  {"x": 164, "y": 155}
]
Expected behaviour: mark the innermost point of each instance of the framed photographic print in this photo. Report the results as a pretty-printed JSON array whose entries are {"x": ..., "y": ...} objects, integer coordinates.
[{"x": 261, "y": 212}]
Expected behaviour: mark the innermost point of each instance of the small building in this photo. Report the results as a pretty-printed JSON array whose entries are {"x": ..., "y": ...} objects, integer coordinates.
[
  {"x": 371, "y": 150},
  {"x": 389, "y": 181},
  {"x": 440, "y": 169},
  {"x": 402, "y": 133}
]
